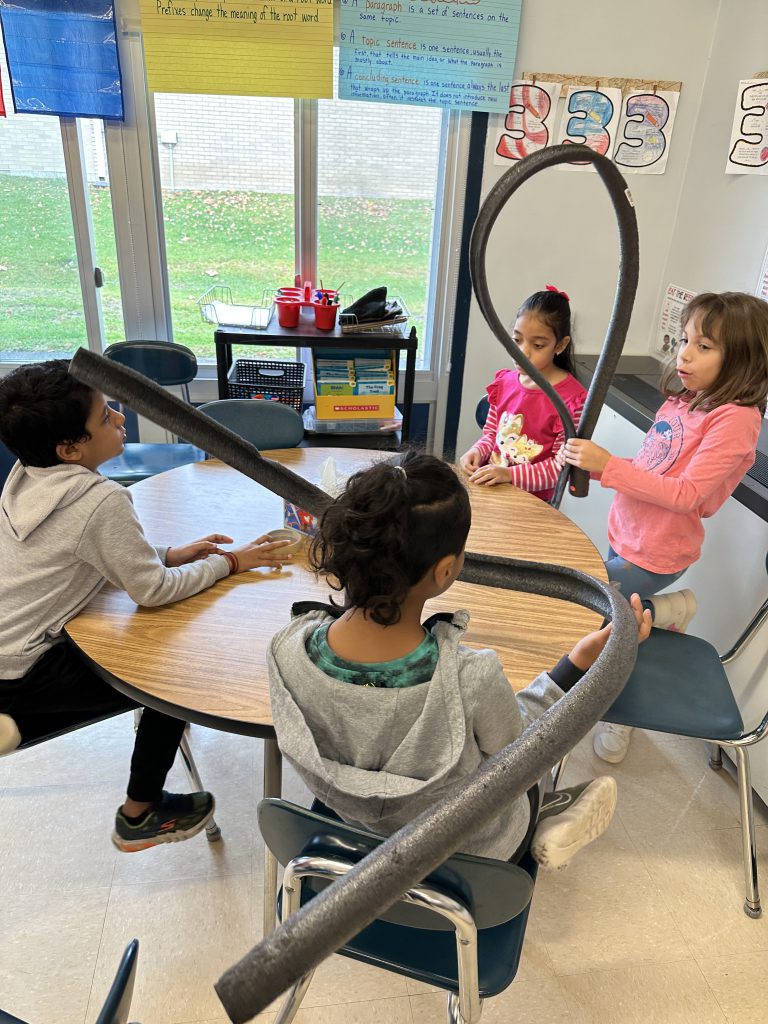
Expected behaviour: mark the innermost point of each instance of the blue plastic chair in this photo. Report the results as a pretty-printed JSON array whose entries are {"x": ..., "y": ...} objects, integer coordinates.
[
  {"x": 118, "y": 1002},
  {"x": 7, "y": 460},
  {"x": 266, "y": 425},
  {"x": 679, "y": 686},
  {"x": 169, "y": 365},
  {"x": 461, "y": 929},
  {"x": 481, "y": 411}
]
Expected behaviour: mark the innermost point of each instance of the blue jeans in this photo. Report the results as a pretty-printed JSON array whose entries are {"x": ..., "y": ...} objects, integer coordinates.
[{"x": 631, "y": 579}]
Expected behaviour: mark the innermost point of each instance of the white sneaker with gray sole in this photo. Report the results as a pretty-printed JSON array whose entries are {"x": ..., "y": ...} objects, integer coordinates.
[{"x": 562, "y": 833}]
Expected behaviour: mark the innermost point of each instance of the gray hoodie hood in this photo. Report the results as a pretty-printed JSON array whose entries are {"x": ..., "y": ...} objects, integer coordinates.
[
  {"x": 31, "y": 494},
  {"x": 379, "y": 756}
]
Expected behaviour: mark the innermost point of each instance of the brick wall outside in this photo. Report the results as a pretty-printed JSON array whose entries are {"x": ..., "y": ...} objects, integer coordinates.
[{"x": 375, "y": 150}]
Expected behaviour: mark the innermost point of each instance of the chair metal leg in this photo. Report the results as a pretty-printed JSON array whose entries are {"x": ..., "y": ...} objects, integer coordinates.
[
  {"x": 454, "y": 1011},
  {"x": 752, "y": 906},
  {"x": 212, "y": 830},
  {"x": 293, "y": 998},
  {"x": 715, "y": 757},
  {"x": 273, "y": 784}
]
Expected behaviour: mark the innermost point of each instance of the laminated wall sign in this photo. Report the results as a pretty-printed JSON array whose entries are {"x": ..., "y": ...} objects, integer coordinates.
[
  {"x": 670, "y": 325},
  {"x": 442, "y": 53},
  {"x": 239, "y": 47},
  {"x": 62, "y": 57}
]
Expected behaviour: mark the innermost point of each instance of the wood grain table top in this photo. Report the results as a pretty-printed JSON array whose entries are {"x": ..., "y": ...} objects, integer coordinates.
[{"x": 204, "y": 658}]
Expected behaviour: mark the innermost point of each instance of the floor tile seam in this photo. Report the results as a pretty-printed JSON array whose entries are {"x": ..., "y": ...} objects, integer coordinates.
[
  {"x": 626, "y": 966},
  {"x": 726, "y": 1017},
  {"x": 243, "y": 872},
  {"x": 98, "y": 951},
  {"x": 666, "y": 833}
]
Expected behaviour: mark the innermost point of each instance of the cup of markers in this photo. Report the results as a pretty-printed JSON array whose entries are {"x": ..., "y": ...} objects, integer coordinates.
[{"x": 326, "y": 307}]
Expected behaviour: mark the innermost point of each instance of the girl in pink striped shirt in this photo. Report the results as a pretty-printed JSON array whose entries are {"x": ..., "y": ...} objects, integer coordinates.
[
  {"x": 523, "y": 433},
  {"x": 700, "y": 445}
]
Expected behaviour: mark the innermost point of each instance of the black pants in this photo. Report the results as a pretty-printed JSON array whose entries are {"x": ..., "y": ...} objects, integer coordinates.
[{"x": 61, "y": 691}]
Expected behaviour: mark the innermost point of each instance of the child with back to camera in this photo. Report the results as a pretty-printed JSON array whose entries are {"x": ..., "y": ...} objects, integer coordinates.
[
  {"x": 702, "y": 442},
  {"x": 523, "y": 432},
  {"x": 64, "y": 531},
  {"x": 382, "y": 714}
]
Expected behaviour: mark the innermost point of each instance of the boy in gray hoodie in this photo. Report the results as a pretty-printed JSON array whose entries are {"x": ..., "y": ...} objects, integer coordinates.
[
  {"x": 64, "y": 531},
  {"x": 382, "y": 714}
]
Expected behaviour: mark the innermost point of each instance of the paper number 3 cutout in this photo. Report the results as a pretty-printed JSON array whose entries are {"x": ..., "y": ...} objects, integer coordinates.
[
  {"x": 751, "y": 150},
  {"x": 529, "y": 108},
  {"x": 598, "y": 112},
  {"x": 647, "y": 114}
]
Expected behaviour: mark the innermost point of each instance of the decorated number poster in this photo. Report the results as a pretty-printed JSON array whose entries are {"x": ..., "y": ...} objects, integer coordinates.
[
  {"x": 590, "y": 118},
  {"x": 446, "y": 53},
  {"x": 670, "y": 326},
  {"x": 762, "y": 284},
  {"x": 528, "y": 124},
  {"x": 645, "y": 132},
  {"x": 748, "y": 150},
  {"x": 239, "y": 47}
]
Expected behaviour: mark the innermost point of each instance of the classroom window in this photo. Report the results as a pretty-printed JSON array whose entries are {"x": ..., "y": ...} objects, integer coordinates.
[
  {"x": 376, "y": 206},
  {"x": 41, "y": 296},
  {"x": 226, "y": 169}
]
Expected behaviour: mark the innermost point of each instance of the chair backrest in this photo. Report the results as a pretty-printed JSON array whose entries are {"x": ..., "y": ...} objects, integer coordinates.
[
  {"x": 117, "y": 1005},
  {"x": 481, "y": 412},
  {"x": 118, "y": 1002},
  {"x": 7, "y": 460},
  {"x": 164, "y": 362},
  {"x": 495, "y": 890},
  {"x": 265, "y": 424}
]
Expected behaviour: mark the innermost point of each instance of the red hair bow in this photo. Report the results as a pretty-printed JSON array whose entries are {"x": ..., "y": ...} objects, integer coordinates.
[{"x": 551, "y": 288}]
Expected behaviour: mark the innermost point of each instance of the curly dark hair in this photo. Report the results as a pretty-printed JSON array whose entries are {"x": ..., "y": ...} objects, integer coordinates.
[
  {"x": 555, "y": 310},
  {"x": 391, "y": 525},
  {"x": 42, "y": 406}
]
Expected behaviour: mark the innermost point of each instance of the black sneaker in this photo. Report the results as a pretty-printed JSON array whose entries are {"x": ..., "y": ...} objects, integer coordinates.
[{"x": 175, "y": 817}]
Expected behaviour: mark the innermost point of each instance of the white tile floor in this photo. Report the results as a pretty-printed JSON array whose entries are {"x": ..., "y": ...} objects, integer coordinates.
[{"x": 645, "y": 926}]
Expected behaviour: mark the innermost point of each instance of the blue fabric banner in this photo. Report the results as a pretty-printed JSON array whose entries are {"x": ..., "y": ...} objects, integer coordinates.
[{"x": 62, "y": 57}]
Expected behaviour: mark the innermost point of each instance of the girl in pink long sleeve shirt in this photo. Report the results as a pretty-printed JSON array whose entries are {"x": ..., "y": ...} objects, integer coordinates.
[{"x": 701, "y": 444}]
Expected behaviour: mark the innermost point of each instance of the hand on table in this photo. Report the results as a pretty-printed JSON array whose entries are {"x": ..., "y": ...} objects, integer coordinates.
[
  {"x": 588, "y": 649},
  {"x": 489, "y": 476},
  {"x": 586, "y": 455},
  {"x": 470, "y": 461},
  {"x": 196, "y": 550},
  {"x": 262, "y": 552}
]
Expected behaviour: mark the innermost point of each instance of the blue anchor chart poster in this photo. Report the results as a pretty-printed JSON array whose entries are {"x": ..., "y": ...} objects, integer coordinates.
[{"x": 442, "y": 53}]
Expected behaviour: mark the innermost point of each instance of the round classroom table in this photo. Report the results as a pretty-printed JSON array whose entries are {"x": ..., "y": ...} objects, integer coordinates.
[{"x": 203, "y": 659}]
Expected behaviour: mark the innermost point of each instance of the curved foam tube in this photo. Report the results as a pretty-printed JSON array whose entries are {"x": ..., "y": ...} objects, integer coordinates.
[
  {"x": 347, "y": 906},
  {"x": 406, "y": 857},
  {"x": 626, "y": 287},
  {"x": 149, "y": 399}
]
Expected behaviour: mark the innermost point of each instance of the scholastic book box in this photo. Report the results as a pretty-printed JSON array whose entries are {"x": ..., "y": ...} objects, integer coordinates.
[{"x": 354, "y": 384}]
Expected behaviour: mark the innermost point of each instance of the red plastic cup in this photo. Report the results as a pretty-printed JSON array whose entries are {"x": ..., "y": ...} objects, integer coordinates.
[
  {"x": 325, "y": 316},
  {"x": 287, "y": 311}
]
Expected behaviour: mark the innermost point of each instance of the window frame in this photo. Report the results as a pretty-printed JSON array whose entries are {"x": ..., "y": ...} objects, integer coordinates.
[{"x": 134, "y": 174}]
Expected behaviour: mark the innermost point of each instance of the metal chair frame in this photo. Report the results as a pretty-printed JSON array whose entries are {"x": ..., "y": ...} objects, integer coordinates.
[{"x": 464, "y": 1007}]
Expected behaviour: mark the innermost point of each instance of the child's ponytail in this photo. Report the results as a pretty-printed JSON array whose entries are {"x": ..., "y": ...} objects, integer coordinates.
[{"x": 387, "y": 529}]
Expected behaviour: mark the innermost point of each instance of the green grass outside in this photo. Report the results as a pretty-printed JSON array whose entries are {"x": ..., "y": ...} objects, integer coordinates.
[{"x": 243, "y": 240}]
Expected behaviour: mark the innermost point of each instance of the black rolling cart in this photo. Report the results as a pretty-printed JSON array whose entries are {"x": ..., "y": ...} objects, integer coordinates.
[{"x": 306, "y": 335}]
